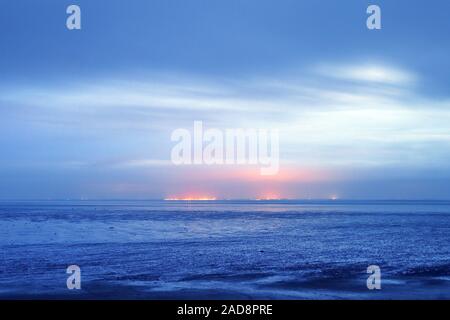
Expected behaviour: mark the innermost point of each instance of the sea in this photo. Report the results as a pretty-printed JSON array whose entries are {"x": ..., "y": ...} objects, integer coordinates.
[{"x": 235, "y": 249}]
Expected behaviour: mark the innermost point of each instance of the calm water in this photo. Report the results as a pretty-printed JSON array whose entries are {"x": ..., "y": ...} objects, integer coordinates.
[{"x": 228, "y": 249}]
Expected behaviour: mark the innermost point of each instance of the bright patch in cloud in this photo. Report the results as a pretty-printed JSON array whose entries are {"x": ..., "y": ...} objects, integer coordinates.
[{"x": 375, "y": 73}]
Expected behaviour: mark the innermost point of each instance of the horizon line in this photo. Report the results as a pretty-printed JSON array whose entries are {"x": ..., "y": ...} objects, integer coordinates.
[{"x": 216, "y": 200}]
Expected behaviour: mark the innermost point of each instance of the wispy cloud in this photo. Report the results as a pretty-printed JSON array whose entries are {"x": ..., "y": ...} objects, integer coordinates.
[
  {"x": 375, "y": 73},
  {"x": 323, "y": 118}
]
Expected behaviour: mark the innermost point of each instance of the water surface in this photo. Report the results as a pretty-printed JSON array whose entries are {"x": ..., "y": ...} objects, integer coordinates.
[{"x": 225, "y": 249}]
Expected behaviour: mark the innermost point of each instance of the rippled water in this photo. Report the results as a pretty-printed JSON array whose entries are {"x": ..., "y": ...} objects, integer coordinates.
[{"x": 225, "y": 249}]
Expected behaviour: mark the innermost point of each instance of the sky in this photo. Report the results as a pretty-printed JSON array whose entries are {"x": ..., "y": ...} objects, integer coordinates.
[{"x": 88, "y": 114}]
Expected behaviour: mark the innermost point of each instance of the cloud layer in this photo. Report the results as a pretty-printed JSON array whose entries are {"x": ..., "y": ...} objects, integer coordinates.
[{"x": 333, "y": 118}]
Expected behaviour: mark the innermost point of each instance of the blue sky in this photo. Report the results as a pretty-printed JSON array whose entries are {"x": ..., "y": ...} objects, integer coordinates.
[{"x": 88, "y": 113}]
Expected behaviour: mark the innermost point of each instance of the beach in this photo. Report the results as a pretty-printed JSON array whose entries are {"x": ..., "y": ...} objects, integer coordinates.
[{"x": 225, "y": 249}]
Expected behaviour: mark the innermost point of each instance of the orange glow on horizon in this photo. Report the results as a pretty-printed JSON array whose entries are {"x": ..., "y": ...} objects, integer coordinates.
[{"x": 220, "y": 183}]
